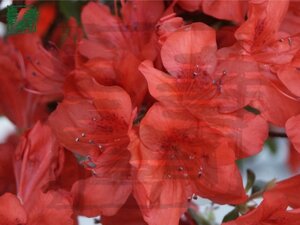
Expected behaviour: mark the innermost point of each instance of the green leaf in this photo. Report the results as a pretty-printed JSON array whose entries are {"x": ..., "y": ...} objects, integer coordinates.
[
  {"x": 71, "y": 8},
  {"x": 271, "y": 143},
  {"x": 250, "y": 179},
  {"x": 232, "y": 215}
]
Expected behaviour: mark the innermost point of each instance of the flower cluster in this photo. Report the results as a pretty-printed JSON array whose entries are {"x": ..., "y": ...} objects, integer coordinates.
[{"x": 133, "y": 109}]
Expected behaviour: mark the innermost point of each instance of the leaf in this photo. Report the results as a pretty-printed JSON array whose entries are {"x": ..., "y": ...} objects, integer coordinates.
[
  {"x": 71, "y": 8},
  {"x": 232, "y": 215},
  {"x": 250, "y": 179},
  {"x": 271, "y": 143}
]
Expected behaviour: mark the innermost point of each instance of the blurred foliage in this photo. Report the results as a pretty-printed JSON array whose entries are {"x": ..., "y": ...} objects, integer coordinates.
[
  {"x": 232, "y": 215},
  {"x": 271, "y": 144},
  {"x": 71, "y": 8},
  {"x": 250, "y": 180}
]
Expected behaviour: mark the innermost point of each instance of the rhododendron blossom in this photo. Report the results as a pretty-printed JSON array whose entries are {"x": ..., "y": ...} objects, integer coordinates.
[{"x": 151, "y": 112}]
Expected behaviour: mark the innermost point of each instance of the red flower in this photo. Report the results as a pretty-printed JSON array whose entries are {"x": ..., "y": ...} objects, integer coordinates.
[
  {"x": 196, "y": 85},
  {"x": 289, "y": 74},
  {"x": 271, "y": 211},
  {"x": 45, "y": 70},
  {"x": 92, "y": 117},
  {"x": 221, "y": 9},
  {"x": 291, "y": 21},
  {"x": 290, "y": 189},
  {"x": 257, "y": 75},
  {"x": 11, "y": 210},
  {"x": 129, "y": 214},
  {"x": 94, "y": 123},
  {"x": 37, "y": 152},
  {"x": 37, "y": 162},
  {"x": 177, "y": 156},
  {"x": 119, "y": 45},
  {"x": 21, "y": 107},
  {"x": 7, "y": 177},
  {"x": 262, "y": 25}
]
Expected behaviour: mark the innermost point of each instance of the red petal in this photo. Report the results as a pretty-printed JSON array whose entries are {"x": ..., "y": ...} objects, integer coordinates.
[
  {"x": 129, "y": 214},
  {"x": 220, "y": 178},
  {"x": 161, "y": 86},
  {"x": 292, "y": 126},
  {"x": 7, "y": 176},
  {"x": 271, "y": 211},
  {"x": 37, "y": 154},
  {"x": 51, "y": 208},
  {"x": 222, "y": 9},
  {"x": 190, "y": 5},
  {"x": 101, "y": 26},
  {"x": 290, "y": 75},
  {"x": 290, "y": 188},
  {"x": 275, "y": 106},
  {"x": 264, "y": 19},
  {"x": 111, "y": 195},
  {"x": 190, "y": 47},
  {"x": 11, "y": 210},
  {"x": 293, "y": 159}
]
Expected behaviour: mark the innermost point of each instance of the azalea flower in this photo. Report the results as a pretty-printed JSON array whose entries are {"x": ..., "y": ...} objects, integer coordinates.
[
  {"x": 195, "y": 83},
  {"x": 44, "y": 70},
  {"x": 115, "y": 46},
  {"x": 94, "y": 123},
  {"x": 20, "y": 106},
  {"x": 260, "y": 42},
  {"x": 177, "y": 158},
  {"x": 37, "y": 161}
]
